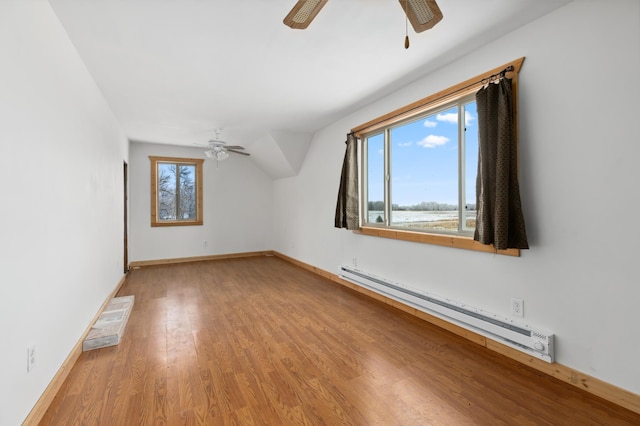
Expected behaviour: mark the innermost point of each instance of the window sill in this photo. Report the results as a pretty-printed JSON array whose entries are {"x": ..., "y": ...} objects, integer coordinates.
[
  {"x": 178, "y": 223},
  {"x": 454, "y": 241}
]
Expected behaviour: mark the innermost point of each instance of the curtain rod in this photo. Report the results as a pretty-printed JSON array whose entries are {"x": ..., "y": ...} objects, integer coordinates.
[
  {"x": 482, "y": 81},
  {"x": 492, "y": 77}
]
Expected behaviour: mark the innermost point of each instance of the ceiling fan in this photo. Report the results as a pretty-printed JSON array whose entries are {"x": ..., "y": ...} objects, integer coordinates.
[
  {"x": 219, "y": 150},
  {"x": 423, "y": 14}
]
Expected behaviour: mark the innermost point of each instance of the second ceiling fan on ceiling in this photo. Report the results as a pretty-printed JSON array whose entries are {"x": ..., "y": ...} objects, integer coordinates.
[
  {"x": 219, "y": 150},
  {"x": 423, "y": 14}
]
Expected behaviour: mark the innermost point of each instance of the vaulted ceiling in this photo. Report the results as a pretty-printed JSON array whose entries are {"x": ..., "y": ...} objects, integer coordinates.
[{"x": 172, "y": 71}]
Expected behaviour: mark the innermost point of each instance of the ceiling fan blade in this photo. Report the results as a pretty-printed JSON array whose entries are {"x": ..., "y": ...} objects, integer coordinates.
[
  {"x": 234, "y": 147},
  {"x": 238, "y": 152},
  {"x": 303, "y": 13},
  {"x": 423, "y": 14}
]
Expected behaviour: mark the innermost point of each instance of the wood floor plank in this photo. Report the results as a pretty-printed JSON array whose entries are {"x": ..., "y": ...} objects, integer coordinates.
[{"x": 260, "y": 341}]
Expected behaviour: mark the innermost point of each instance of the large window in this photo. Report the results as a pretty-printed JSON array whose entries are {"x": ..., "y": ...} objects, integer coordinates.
[
  {"x": 420, "y": 173},
  {"x": 176, "y": 191},
  {"x": 419, "y": 166}
]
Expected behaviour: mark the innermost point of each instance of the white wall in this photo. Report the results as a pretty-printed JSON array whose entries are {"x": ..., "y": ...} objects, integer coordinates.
[
  {"x": 579, "y": 108},
  {"x": 61, "y": 245},
  {"x": 237, "y": 208}
]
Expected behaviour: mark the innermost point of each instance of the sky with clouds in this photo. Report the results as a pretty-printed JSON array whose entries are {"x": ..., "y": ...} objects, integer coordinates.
[{"x": 424, "y": 159}]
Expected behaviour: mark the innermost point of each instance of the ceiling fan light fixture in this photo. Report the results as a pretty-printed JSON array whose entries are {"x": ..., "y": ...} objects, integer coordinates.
[
  {"x": 303, "y": 13},
  {"x": 423, "y": 14},
  {"x": 219, "y": 150},
  {"x": 217, "y": 154}
]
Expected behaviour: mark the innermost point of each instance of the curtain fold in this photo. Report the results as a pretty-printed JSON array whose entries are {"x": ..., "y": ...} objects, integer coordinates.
[
  {"x": 347, "y": 206},
  {"x": 499, "y": 219}
]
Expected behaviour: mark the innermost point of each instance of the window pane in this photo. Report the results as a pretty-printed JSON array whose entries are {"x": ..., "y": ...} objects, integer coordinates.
[
  {"x": 176, "y": 192},
  {"x": 424, "y": 170},
  {"x": 471, "y": 163},
  {"x": 186, "y": 192},
  {"x": 166, "y": 191},
  {"x": 375, "y": 179}
]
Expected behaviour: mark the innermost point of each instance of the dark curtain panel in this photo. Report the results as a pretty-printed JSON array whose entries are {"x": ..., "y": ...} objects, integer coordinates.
[
  {"x": 499, "y": 219},
  {"x": 347, "y": 205}
]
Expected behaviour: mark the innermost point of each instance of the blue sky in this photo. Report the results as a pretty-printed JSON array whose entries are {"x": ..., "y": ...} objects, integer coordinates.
[{"x": 424, "y": 160}]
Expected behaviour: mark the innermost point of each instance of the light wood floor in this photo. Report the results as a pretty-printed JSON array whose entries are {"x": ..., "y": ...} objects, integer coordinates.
[{"x": 260, "y": 341}]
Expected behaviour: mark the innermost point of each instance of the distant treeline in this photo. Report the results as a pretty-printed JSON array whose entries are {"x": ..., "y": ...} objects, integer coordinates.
[{"x": 431, "y": 206}]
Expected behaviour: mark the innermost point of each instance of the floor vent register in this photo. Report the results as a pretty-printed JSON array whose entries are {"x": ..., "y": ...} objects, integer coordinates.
[{"x": 109, "y": 328}]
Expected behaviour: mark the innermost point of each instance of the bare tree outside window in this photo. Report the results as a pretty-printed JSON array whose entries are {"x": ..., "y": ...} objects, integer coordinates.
[{"x": 176, "y": 191}]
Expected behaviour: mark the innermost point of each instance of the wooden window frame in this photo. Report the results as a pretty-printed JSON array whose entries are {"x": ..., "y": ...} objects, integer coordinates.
[
  {"x": 154, "y": 191},
  {"x": 420, "y": 107}
]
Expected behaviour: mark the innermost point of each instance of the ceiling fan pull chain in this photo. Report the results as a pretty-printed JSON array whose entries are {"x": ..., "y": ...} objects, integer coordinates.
[{"x": 406, "y": 27}]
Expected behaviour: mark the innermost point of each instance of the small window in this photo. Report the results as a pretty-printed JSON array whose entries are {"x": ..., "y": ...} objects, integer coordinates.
[
  {"x": 176, "y": 191},
  {"x": 420, "y": 173}
]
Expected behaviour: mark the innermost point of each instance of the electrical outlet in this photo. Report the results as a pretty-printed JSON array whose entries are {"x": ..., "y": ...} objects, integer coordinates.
[
  {"x": 517, "y": 307},
  {"x": 31, "y": 358},
  {"x": 354, "y": 262}
]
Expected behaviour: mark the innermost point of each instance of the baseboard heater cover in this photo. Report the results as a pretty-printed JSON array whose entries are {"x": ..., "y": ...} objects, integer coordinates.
[{"x": 537, "y": 343}]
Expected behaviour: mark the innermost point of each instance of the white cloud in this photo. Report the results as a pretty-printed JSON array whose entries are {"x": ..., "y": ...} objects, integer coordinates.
[
  {"x": 433, "y": 141},
  {"x": 405, "y": 144},
  {"x": 468, "y": 118},
  {"x": 430, "y": 123},
  {"x": 381, "y": 151},
  {"x": 450, "y": 117}
]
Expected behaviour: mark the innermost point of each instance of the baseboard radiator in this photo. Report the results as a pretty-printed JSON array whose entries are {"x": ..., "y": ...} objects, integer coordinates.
[{"x": 536, "y": 343}]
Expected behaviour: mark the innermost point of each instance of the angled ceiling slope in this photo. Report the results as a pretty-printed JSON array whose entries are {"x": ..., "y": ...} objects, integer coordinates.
[{"x": 281, "y": 154}]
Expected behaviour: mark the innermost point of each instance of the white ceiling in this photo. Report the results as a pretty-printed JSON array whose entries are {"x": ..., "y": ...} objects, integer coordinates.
[{"x": 174, "y": 70}]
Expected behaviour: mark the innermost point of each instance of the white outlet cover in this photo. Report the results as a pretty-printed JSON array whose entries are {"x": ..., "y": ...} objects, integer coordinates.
[
  {"x": 517, "y": 307},
  {"x": 31, "y": 358}
]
